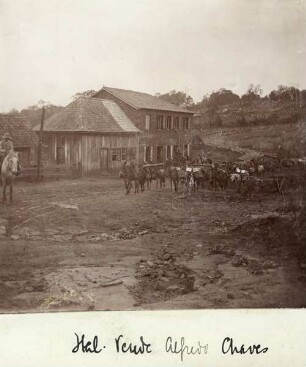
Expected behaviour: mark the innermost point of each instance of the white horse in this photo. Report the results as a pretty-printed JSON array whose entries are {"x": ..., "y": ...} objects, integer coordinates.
[
  {"x": 9, "y": 170},
  {"x": 190, "y": 181}
]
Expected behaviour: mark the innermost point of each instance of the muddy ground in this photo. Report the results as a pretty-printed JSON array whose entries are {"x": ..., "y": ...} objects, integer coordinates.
[{"x": 84, "y": 245}]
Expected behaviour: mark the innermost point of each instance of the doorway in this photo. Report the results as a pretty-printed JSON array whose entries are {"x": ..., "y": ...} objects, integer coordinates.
[
  {"x": 104, "y": 158},
  {"x": 159, "y": 155},
  {"x": 148, "y": 154}
]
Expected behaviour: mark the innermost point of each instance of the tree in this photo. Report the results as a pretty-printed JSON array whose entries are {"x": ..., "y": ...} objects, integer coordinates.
[
  {"x": 86, "y": 94},
  {"x": 216, "y": 99},
  {"x": 273, "y": 96},
  {"x": 285, "y": 93},
  {"x": 253, "y": 93},
  {"x": 255, "y": 89},
  {"x": 13, "y": 111},
  {"x": 303, "y": 97},
  {"x": 222, "y": 97},
  {"x": 33, "y": 113},
  {"x": 178, "y": 98},
  {"x": 33, "y": 107},
  {"x": 42, "y": 103},
  {"x": 203, "y": 105}
]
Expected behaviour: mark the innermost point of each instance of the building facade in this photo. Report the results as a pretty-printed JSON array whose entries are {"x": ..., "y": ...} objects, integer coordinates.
[{"x": 165, "y": 128}]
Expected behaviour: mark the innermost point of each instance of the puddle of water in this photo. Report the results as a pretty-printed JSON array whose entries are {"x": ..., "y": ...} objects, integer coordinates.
[{"x": 88, "y": 288}]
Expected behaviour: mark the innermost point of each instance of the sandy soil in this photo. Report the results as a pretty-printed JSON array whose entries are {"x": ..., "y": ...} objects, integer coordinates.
[{"x": 84, "y": 245}]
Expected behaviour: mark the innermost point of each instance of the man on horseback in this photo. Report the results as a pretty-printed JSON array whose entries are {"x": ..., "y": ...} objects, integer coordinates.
[{"x": 6, "y": 146}]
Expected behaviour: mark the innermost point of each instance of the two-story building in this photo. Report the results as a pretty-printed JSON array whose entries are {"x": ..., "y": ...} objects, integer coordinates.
[{"x": 165, "y": 128}]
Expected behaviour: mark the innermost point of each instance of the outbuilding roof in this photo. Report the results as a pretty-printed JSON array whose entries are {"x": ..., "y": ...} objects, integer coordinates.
[
  {"x": 139, "y": 100},
  {"x": 20, "y": 130},
  {"x": 90, "y": 115}
]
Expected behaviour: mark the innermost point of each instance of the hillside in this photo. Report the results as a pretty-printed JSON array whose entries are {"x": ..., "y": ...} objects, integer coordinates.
[
  {"x": 258, "y": 112},
  {"x": 261, "y": 125},
  {"x": 265, "y": 139}
]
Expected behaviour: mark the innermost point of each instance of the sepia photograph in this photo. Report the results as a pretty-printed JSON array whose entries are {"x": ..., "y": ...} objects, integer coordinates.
[{"x": 153, "y": 155}]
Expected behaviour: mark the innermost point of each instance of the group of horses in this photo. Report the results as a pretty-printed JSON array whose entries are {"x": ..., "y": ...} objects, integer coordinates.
[
  {"x": 237, "y": 175},
  {"x": 207, "y": 175},
  {"x": 143, "y": 175}
]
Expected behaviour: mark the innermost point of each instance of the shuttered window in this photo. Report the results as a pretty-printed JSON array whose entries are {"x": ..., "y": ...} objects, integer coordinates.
[
  {"x": 147, "y": 122},
  {"x": 123, "y": 154},
  {"x": 160, "y": 122},
  {"x": 176, "y": 123},
  {"x": 169, "y": 121},
  {"x": 186, "y": 123},
  {"x": 168, "y": 152},
  {"x": 132, "y": 153},
  {"x": 114, "y": 154},
  {"x": 159, "y": 153},
  {"x": 186, "y": 150}
]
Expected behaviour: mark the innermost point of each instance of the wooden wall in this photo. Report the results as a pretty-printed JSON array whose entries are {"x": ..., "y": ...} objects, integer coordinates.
[
  {"x": 27, "y": 156},
  {"x": 71, "y": 144},
  {"x": 86, "y": 151},
  {"x": 91, "y": 149}
]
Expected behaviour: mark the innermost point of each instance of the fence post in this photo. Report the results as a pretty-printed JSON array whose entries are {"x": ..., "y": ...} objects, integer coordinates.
[{"x": 40, "y": 142}]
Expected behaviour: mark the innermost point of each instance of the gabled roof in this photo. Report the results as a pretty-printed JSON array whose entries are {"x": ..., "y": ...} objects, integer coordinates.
[
  {"x": 90, "y": 115},
  {"x": 140, "y": 100},
  {"x": 19, "y": 129}
]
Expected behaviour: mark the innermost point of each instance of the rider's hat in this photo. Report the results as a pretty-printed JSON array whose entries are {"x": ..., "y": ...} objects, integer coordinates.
[{"x": 7, "y": 136}]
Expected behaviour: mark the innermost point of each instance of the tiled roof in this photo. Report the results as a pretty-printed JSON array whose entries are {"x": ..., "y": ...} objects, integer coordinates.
[
  {"x": 140, "y": 100},
  {"x": 90, "y": 115},
  {"x": 19, "y": 129}
]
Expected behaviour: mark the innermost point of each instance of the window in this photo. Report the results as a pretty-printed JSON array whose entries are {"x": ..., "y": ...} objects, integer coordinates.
[
  {"x": 123, "y": 154},
  {"x": 119, "y": 154},
  {"x": 148, "y": 154},
  {"x": 160, "y": 122},
  {"x": 168, "y": 152},
  {"x": 159, "y": 154},
  {"x": 186, "y": 150},
  {"x": 60, "y": 155},
  {"x": 169, "y": 122},
  {"x": 177, "y": 123},
  {"x": 147, "y": 122},
  {"x": 114, "y": 154},
  {"x": 132, "y": 153},
  {"x": 186, "y": 123}
]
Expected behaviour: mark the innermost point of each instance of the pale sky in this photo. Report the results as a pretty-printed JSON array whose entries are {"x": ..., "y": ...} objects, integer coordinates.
[{"x": 51, "y": 49}]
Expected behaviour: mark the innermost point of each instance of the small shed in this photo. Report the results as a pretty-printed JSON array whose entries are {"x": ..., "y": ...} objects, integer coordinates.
[
  {"x": 90, "y": 134},
  {"x": 25, "y": 140}
]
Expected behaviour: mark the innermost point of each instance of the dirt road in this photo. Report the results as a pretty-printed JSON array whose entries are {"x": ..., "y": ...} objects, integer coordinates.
[{"x": 84, "y": 245}]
